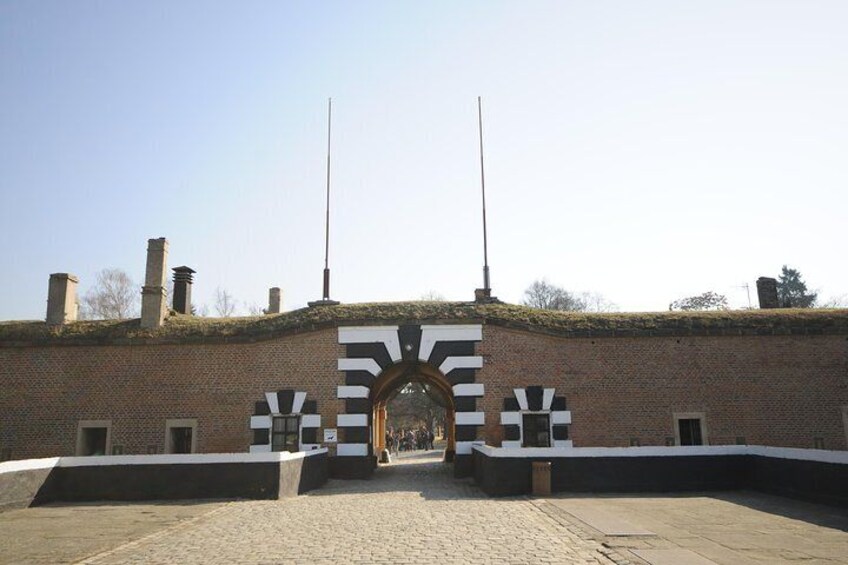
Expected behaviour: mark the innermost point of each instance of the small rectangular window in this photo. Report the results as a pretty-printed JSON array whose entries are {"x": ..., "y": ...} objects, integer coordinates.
[
  {"x": 284, "y": 433},
  {"x": 94, "y": 437},
  {"x": 537, "y": 430},
  {"x": 181, "y": 435},
  {"x": 181, "y": 440},
  {"x": 690, "y": 431},
  {"x": 94, "y": 441}
]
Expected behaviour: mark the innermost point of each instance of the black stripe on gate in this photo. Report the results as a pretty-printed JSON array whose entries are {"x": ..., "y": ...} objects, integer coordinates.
[
  {"x": 560, "y": 431},
  {"x": 465, "y": 433},
  {"x": 358, "y": 434},
  {"x": 534, "y": 398},
  {"x": 512, "y": 432},
  {"x": 358, "y": 405},
  {"x": 461, "y": 376},
  {"x": 261, "y": 437},
  {"x": 285, "y": 400},
  {"x": 410, "y": 342},
  {"x": 359, "y": 378},
  {"x": 375, "y": 351},
  {"x": 465, "y": 404},
  {"x": 309, "y": 435},
  {"x": 445, "y": 349}
]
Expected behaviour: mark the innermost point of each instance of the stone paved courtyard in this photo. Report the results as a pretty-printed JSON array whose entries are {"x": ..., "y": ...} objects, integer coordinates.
[{"x": 413, "y": 511}]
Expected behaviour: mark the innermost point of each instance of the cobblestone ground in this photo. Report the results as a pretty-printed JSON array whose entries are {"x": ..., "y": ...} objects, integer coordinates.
[{"x": 412, "y": 511}]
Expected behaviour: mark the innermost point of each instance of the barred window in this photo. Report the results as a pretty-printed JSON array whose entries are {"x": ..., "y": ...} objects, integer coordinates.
[
  {"x": 537, "y": 430},
  {"x": 284, "y": 433}
]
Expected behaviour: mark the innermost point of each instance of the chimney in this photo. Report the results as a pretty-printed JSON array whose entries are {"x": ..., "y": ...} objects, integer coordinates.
[
  {"x": 182, "y": 289},
  {"x": 153, "y": 293},
  {"x": 62, "y": 299},
  {"x": 274, "y": 300},
  {"x": 767, "y": 292}
]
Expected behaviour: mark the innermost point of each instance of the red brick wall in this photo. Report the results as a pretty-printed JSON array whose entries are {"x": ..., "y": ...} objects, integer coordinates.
[
  {"x": 47, "y": 390},
  {"x": 773, "y": 390}
]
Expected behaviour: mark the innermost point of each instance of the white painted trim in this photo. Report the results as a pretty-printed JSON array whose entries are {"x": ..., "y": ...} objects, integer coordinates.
[
  {"x": 351, "y": 420},
  {"x": 459, "y": 362},
  {"x": 468, "y": 389},
  {"x": 260, "y": 448},
  {"x": 307, "y": 447},
  {"x": 187, "y": 459},
  {"x": 273, "y": 403},
  {"x": 350, "y": 391},
  {"x": 510, "y": 418},
  {"x": 469, "y": 418},
  {"x": 387, "y": 335},
  {"x": 547, "y": 398},
  {"x": 521, "y": 397},
  {"x": 511, "y": 443},
  {"x": 358, "y": 364},
  {"x": 430, "y": 335},
  {"x": 297, "y": 403},
  {"x": 352, "y": 449},
  {"x": 260, "y": 422},
  {"x": 28, "y": 465},
  {"x": 464, "y": 447},
  {"x": 559, "y": 417},
  {"x": 310, "y": 421},
  {"x": 563, "y": 443}
]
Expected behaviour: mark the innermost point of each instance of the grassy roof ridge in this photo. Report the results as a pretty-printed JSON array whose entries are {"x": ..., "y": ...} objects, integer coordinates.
[{"x": 179, "y": 328}]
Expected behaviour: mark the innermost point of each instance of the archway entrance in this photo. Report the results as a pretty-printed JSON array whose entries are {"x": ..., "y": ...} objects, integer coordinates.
[{"x": 391, "y": 382}]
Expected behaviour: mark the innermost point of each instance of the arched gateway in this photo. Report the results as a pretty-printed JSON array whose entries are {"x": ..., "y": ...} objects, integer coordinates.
[{"x": 380, "y": 358}]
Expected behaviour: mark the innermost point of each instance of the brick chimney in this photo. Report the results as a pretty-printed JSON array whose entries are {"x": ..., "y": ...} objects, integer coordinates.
[
  {"x": 767, "y": 292},
  {"x": 183, "y": 280},
  {"x": 153, "y": 293},
  {"x": 62, "y": 299},
  {"x": 274, "y": 300}
]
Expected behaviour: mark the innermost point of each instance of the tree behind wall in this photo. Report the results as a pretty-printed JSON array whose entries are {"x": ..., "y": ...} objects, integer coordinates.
[
  {"x": 792, "y": 291},
  {"x": 544, "y": 295},
  {"x": 225, "y": 304},
  {"x": 114, "y": 296},
  {"x": 706, "y": 301}
]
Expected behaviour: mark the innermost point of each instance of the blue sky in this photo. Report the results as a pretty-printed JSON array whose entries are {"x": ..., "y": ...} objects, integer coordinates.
[{"x": 646, "y": 151}]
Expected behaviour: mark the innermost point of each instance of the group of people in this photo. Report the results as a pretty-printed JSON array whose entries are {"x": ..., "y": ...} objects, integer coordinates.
[{"x": 409, "y": 440}]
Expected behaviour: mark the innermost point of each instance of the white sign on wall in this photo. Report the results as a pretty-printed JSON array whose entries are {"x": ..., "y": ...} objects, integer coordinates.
[{"x": 330, "y": 435}]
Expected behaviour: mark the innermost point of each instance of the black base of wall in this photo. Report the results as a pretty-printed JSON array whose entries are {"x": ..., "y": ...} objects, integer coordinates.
[
  {"x": 463, "y": 466},
  {"x": 809, "y": 480},
  {"x": 359, "y": 467}
]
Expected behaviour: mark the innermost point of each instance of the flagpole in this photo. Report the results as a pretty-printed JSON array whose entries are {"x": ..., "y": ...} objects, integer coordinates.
[
  {"x": 326, "y": 295},
  {"x": 486, "y": 286}
]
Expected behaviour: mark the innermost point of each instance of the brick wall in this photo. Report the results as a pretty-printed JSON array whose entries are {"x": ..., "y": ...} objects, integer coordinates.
[{"x": 771, "y": 390}]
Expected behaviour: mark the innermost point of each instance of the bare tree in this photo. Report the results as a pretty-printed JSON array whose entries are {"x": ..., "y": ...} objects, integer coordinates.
[
  {"x": 596, "y": 302},
  {"x": 225, "y": 304},
  {"x": 253, "y": 309},
  {"x": 432, "y": 296},
  {"x": 707, "y": 301},
  {"x": 114, "y": 296},
  {"x": 544, "y": 295},
  {"x": 836, "y": 302}
]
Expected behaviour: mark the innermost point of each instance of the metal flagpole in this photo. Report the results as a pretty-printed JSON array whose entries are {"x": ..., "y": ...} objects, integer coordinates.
[
  {"x": 486, "y": 287},
  {"x": 327, "y": 219}
]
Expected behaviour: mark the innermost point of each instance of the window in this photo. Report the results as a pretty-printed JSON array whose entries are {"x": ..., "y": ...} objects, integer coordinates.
[
  {"x": 94, "y": 437},
  {"x": 284, "y": 433},
  {"x": 690, "y": 431},
  {"x": 537, "y": 430},
  {"x": 690, "y": 428},
  {"x": 181, "y": 435}
]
